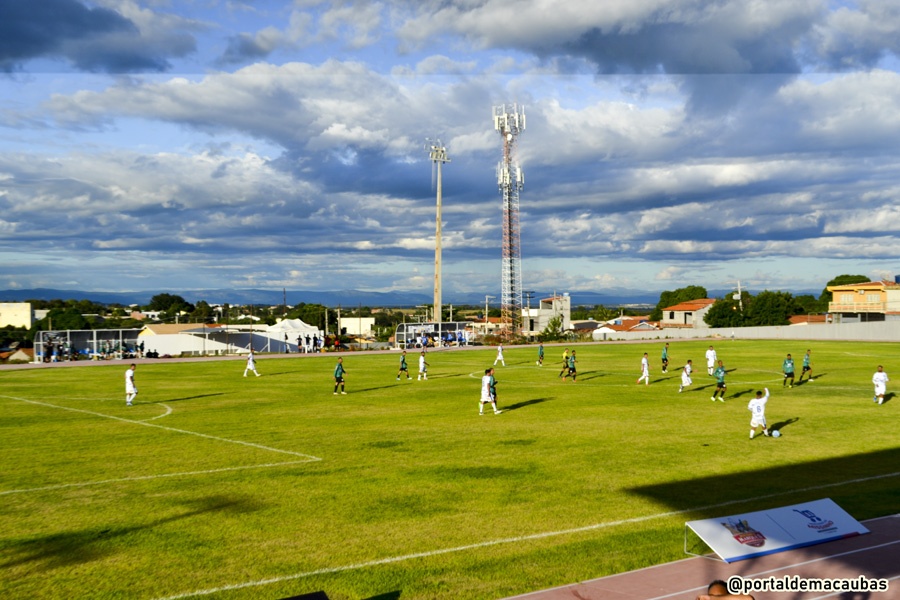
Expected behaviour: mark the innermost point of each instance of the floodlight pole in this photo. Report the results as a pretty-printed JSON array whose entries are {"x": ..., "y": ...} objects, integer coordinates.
[{"x": 438, "y": 156}]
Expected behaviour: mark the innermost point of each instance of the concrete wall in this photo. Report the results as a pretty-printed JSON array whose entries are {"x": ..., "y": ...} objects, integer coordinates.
[{"x": 885, "y": 331}]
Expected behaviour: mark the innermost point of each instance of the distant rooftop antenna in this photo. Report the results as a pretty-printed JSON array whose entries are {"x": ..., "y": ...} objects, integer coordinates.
[
  {"x": 438, "y": 156},
  {"x": 509, "y": 120}
]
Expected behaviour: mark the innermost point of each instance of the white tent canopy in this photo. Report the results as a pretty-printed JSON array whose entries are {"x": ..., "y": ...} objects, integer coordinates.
[{"x": 293, "y": 326}]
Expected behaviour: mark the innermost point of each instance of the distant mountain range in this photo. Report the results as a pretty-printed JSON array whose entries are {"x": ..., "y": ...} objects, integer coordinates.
[{"x": 349, "y": 298}]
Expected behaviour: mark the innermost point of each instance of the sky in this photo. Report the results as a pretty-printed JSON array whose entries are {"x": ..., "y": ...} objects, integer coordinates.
[{"x": 210, "y": 144}]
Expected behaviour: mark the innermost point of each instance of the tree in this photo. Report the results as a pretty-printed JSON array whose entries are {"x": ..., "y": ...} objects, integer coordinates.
[
  {"x": 553, "y": 330},
  {"x": 807, "y": 304},
  {"x": 671, "y": 298},
  {"x": 170, "y": 304},
  {"x": 726, "y": 312},
  {"x": 770, "y": 308},
  {"x": 825, "y": 296},
  {"x": 64, "y": 318},
  {"x": 203, "y": 312}
]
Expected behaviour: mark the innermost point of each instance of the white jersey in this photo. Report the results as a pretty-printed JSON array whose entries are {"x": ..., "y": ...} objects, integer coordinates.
[
  {"x": 645, "y": 365},
  {"x": 421, "y": 364},
  {"x": 711, "y": 358},
  {"x": 130, "y": 387},
  {"x": 499, "y": 352},
  {"x": 686, "y": 375},
  {"x": 880, "y": 379},
  {"x": 757, "y": 408},
  {"x": 486, "y": 388}
]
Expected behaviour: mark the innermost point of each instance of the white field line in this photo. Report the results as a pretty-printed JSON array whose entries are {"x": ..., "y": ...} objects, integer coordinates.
[
  {"x": 512, "y": 540},
  {"x": 165, "y": 414},
  {"x": 145, "y": 424},
  {"x": 147, "y": 477}
]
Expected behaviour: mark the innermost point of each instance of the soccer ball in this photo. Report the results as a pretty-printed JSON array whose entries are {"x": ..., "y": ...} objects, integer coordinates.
[{"x": 776, "y": 433}]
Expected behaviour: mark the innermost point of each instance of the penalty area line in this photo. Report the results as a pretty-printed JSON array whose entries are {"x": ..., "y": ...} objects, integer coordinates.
[
  {"x": 513, "y": 540},
  {"x": 61, "y": 486},
  {"x": 146, "y": 424}
]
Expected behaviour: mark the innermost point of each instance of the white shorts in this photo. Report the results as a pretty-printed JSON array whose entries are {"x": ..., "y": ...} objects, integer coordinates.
[
  {"x": 757, "y": 421},
  {"x": 685, "y": 380},
  {"x": 880, "y": 389},
  {"x": 130, "y": 389},
  {"x": 486, "y": 399}
]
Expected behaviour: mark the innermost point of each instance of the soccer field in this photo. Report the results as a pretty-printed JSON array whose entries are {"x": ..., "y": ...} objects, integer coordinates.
[{"x": 216, "y": 485}]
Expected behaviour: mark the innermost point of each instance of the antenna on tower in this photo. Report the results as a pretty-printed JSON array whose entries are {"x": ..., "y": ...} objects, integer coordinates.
[
  {"x": 509, "y": 121},
  {"x": 438, "y": 156}
]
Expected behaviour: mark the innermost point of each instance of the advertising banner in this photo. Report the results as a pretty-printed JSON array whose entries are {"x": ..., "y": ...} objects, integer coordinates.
[{"x": 738, "y": 537}]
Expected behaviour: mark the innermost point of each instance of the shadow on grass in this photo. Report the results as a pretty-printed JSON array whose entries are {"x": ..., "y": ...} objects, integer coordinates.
[
  {"x": 805, "y": 381},
  {"x": 782, "y": 424},
  {"x": 839, "y": 478},
  {"x": 888, "y": 397},
  {"x": 525, "y": 403},
  {"x": 387, "y": 596},
  {"x": 588, "y": 375},
  {"x": 75, "y": 547},
  {"x": 185, "y": 398},
  {"x": 741, "y": 393}
]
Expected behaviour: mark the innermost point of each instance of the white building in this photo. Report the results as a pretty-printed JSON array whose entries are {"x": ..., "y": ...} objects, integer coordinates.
[
  {"x": 535, "y": 320},
  {"x": 16, "y": 314}
]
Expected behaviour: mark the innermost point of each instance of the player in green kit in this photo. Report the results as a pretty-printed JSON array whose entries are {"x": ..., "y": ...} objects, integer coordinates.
[
  {"x": 570, "y": 368},
  {"x": 540, "y": 360},
  {"x": 807, "y": 368},
  {"x": 788, "y": 368},
  {"x": 403, "y": 366},
  {"x": 339, "y": 376},
  {"x": 719, "y": 374},
  {"x": 665, "y": 358}
]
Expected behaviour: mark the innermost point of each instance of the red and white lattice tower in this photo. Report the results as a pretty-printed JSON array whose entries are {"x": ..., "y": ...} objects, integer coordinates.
[{"x": 509, "y": 120}]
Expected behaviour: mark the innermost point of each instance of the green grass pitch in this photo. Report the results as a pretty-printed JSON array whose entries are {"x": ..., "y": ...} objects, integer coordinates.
[{"x": 215, "y": 485}]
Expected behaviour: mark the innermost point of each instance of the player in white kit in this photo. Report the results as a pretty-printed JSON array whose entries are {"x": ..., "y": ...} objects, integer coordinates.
[
  {"x": 251, "y": 364},
  {"x": 757, "y": 408},
  {"x": 487, "y": 396},
  {"x": 130, "y": 386},
  {"x": 645, "y": 370},
  {"x": 879, "y": 380},
  {"x": 686, "y": 376},
  {"x": 711, "y": 359},
  {"x": 423, "y": 368},
  {"x": 499, "y": 355}
]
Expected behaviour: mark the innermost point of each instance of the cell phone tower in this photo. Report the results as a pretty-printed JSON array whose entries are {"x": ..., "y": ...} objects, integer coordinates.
[{"x": 509, "y": 120}]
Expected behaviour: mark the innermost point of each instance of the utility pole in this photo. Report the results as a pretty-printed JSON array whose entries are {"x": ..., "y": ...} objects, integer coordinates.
[
  {"x": 486, "y": 298},
  {"x": 529, "y": 294}
]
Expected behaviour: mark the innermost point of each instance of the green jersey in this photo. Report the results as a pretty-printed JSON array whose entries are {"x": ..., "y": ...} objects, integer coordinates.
[
  {"x": 719, "y": 373},
  {"x": 788, "y": 365},
  {"x": 541, "y": 351},
  {"x": 339, "y": 371},
  {"x": 665, "y": 353},
  {"x": 403, "y": 366},
  {"x": 572, "y": 362},
  {"x": 806, "y": 361},
  {"x": 493, "y": 386}
]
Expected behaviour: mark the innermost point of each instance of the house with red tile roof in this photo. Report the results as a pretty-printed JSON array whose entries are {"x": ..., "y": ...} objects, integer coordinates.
[{"x": 687, "y": 314}]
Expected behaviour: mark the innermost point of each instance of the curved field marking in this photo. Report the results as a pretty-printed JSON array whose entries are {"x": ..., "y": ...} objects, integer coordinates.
[
  {"x": 146, "y": 424},
  {"x": 165, "y": 414},
  {"x": 61, "y": 486},
  {"x": 512, "y": 540}
]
